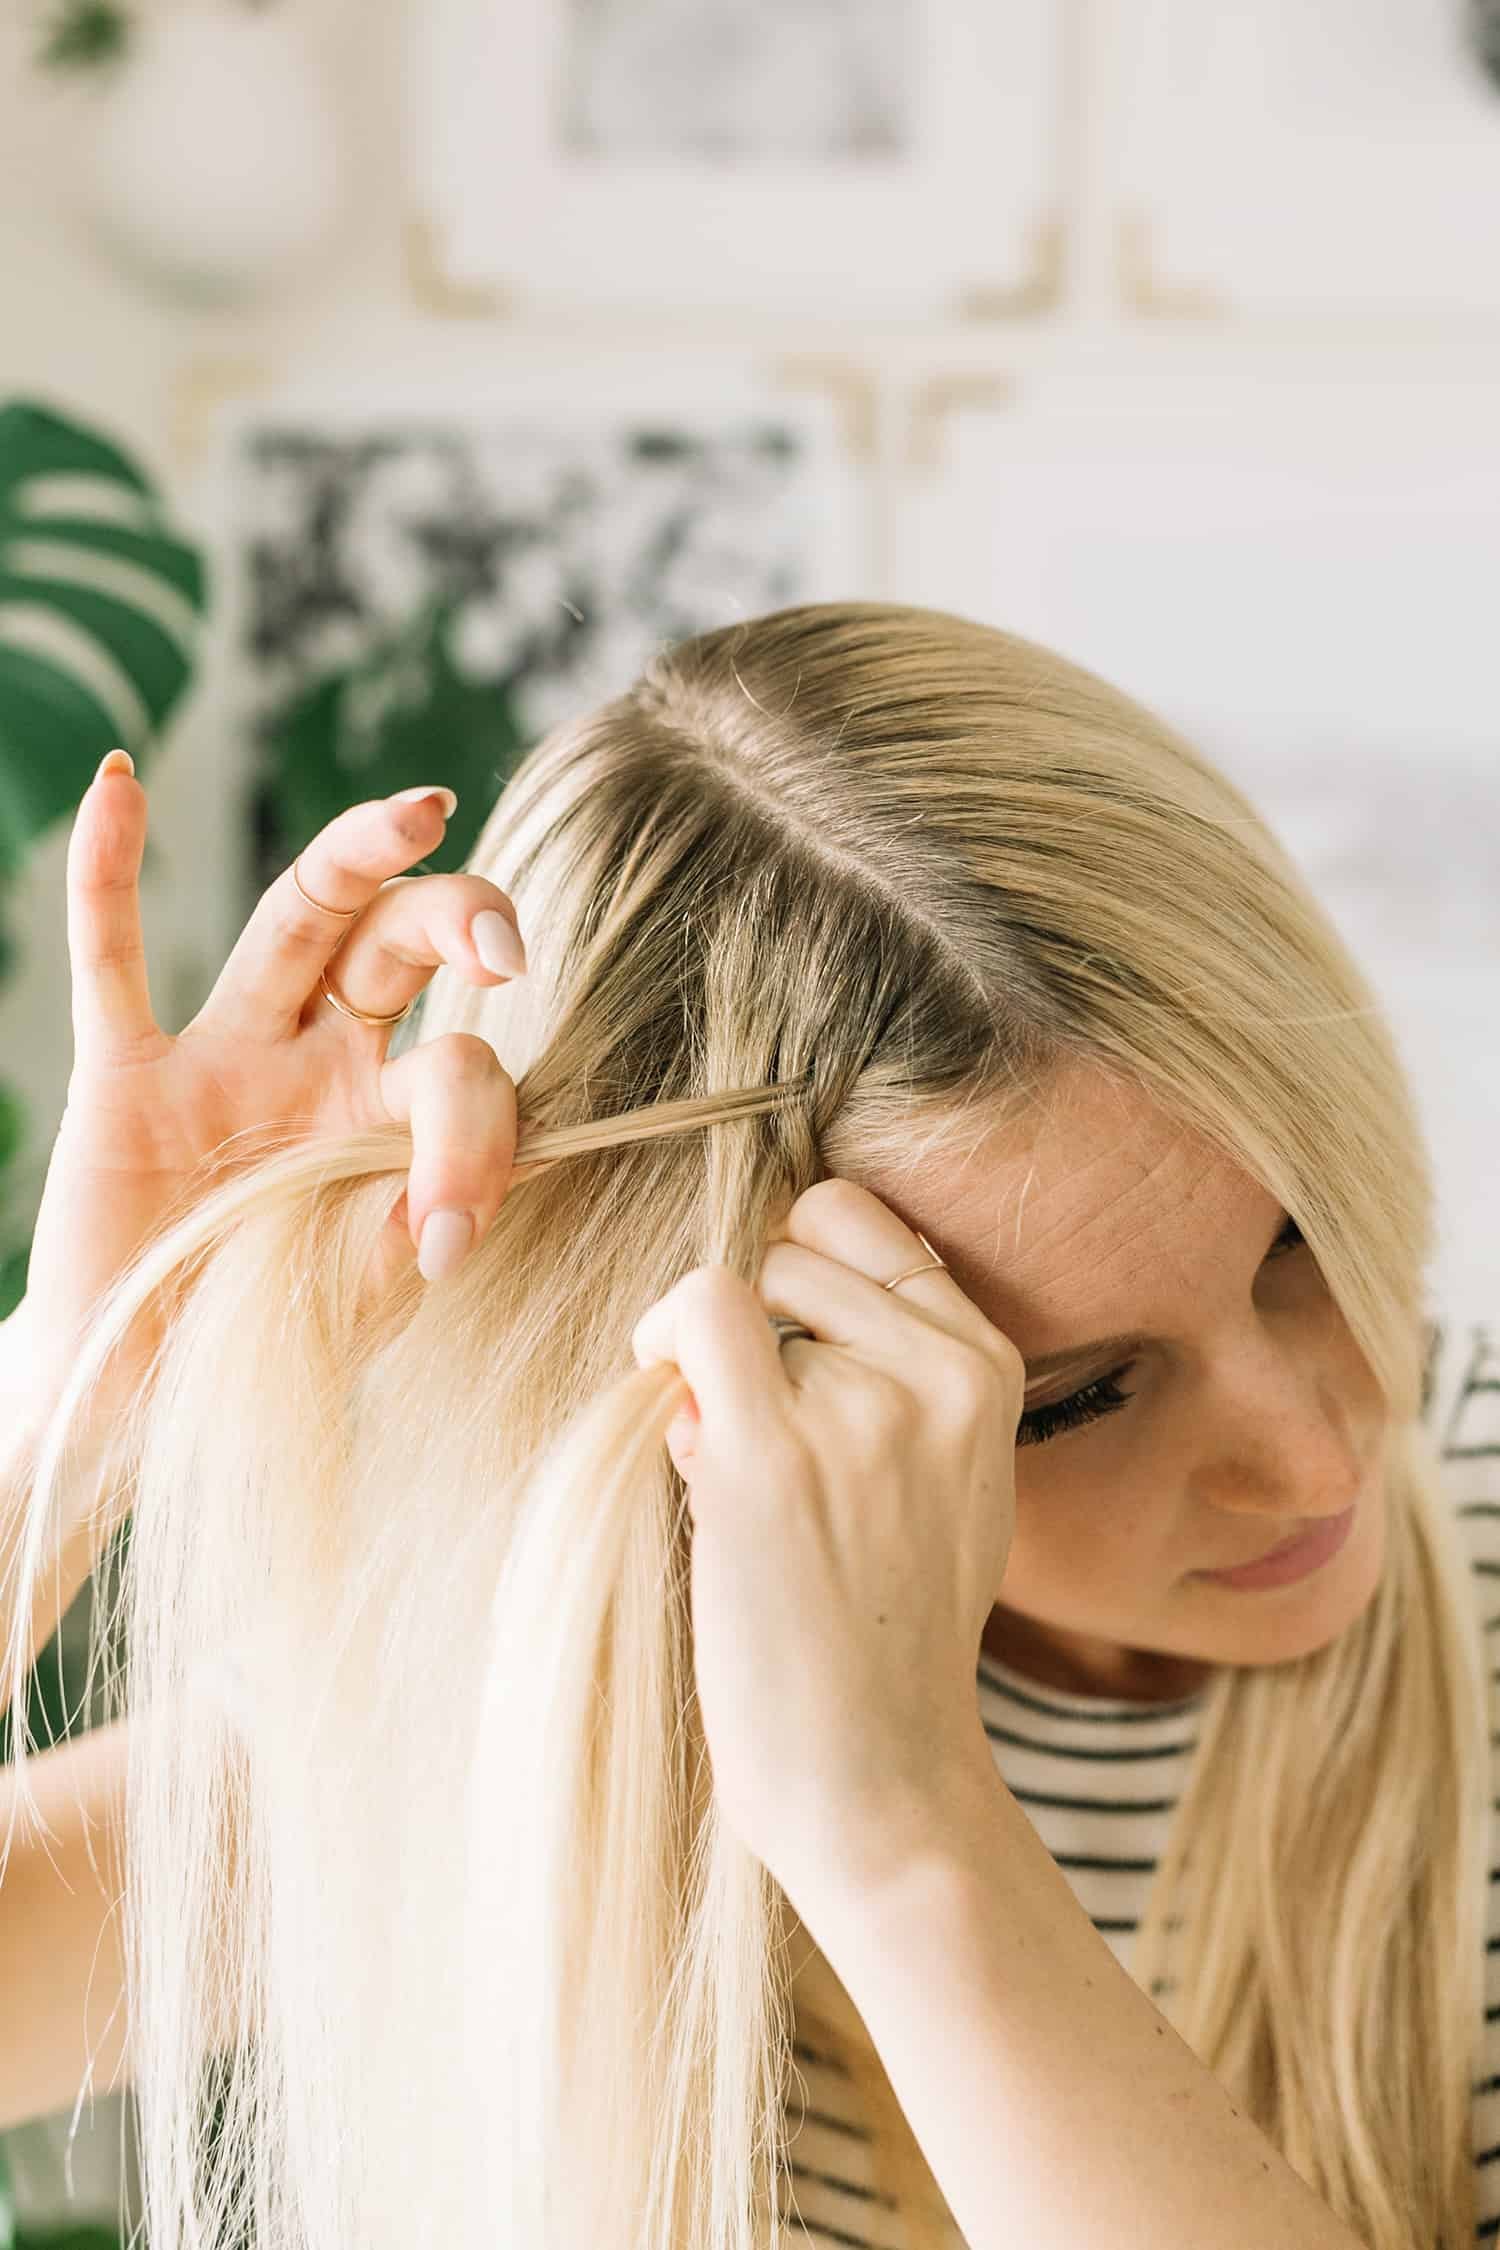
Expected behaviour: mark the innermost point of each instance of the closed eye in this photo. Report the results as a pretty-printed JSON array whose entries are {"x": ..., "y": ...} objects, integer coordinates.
[
  {"x": 1096, "y": 1399},
  {"x": 1104, "y": 1396}
]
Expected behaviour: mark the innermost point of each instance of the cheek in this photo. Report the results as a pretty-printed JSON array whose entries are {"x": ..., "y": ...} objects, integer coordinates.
[{"x": 1071, "y": 1534}]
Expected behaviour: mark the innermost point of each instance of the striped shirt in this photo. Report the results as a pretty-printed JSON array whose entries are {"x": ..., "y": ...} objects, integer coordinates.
[{"x": 1099, "y": 1778}]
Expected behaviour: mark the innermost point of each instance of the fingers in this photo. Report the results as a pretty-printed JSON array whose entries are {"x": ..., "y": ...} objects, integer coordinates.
[
  {"x": 111, "y": 997},
  {"x": 265, "y": 985},
  {"x": 856, "y": 1239},
  {"x": 418, "y": 921},
  {"x": 841, "y": 1245},
  {"x": 714, "y": 1327},
  {"x": 840, "y": 1248},
  {"x": 461, "y": 1107}
]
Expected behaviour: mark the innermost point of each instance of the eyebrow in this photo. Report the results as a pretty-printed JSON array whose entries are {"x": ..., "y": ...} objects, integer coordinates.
[
  {"x": 1037, "y": 1370},
  {"x": 1123, "y": 1346}
]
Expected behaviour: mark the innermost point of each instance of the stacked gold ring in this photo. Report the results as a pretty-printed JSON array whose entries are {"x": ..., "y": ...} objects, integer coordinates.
[{"x": 346, "y": 914}]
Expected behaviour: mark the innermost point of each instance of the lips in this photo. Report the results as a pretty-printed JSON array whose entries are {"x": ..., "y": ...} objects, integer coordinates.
[
  {"x": 1294, "y": 1558},
  {"x": 1298, "y": 1539}
]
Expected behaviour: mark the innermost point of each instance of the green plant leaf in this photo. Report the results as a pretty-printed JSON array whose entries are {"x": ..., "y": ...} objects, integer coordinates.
[
  {"x": 12, "y": 1124},
  {"x": 101, "y": 609},
  {"x": 68, "y": 2238},
  {"x": 400, "y": 714},
  {"x": 82, "y": 35},
  {"x": 13, "y": 1268}
]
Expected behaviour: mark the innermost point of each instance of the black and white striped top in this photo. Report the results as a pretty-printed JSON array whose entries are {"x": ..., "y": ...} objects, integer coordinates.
[{"x": 1099, "y": 1780}]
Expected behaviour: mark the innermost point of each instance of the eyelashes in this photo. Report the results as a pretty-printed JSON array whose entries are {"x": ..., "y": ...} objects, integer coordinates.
[
  {"x": 1095, "y": 1400},
  {"x": 1104, "y": 1396}
]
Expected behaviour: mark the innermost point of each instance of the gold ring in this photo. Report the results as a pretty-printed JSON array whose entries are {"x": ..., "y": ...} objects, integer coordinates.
[
  {"x": 926, "y": 1267},
  {"x": 340, "y": 913},
  {"x": 359, "y": 1014}
]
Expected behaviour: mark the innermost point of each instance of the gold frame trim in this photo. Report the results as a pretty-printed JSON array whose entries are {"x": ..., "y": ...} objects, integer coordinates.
[
  {"x": 1041, "y": 290},
  {"x": 941, "y": 395},
  {"x": 1141, "y": 289},
  {"x": 433, "y": 288},
  {"x": 199, "y": 387},
  {"x": 854, "y": 390}
]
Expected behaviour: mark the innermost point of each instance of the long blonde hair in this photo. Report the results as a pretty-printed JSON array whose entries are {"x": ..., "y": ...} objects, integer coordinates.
[{"x": 434, "y": 1933}]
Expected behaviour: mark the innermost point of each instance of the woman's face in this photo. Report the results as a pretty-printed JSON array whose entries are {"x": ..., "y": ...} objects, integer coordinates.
[{"x": 1251, "y": 1414}]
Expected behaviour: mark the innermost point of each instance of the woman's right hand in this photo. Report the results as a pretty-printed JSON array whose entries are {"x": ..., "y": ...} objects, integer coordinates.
[{"x": 267, "y": 1051}]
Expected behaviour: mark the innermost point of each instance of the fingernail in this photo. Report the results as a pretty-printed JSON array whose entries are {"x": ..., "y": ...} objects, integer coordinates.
[
  {"x": 498, "y": 944},
  {"x": 420, "y": 797},
  {"x": 115, "y": 761},
  {"x": 446, "y": 1236}
]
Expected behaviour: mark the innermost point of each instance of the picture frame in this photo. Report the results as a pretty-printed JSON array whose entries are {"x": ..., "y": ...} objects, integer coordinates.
[
  {"x": 937, "y": 192},
  {"x": 376, "y": 550}
]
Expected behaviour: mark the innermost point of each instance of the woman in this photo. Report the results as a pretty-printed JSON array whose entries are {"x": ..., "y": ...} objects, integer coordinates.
[{"x": 508, "y": 1797}]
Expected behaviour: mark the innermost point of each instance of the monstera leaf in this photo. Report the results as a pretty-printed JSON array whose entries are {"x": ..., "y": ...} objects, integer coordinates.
[
  {"x": 101, "y": 605},
  {"x": 399, "y": 710},
  {"x": 101, "y": 608}
]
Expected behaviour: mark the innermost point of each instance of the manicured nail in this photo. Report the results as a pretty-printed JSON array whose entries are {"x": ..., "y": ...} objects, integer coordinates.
[
  {"x": 115, "y": 761},
  {"x": 420, "y": 797},
  {"x": 498, "y": 944},
  {"x": 446, "y": 1236}
]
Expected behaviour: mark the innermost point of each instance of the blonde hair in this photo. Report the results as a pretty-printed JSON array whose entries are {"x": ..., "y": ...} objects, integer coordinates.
[{"x": 419, "y": 1813}]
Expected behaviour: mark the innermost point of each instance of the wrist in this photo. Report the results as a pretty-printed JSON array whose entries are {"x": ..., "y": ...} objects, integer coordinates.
[{"x": 942, "y": 1833}]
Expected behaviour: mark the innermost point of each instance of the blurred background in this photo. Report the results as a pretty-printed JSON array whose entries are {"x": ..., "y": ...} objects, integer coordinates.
[{"x": 381, "y": 380}]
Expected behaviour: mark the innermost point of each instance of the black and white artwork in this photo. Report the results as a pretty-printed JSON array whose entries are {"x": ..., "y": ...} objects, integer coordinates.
[
  {"x": 569, "y": 554},
  {"x": 736, "y": 81},
  {"x": 467, "y": 583}
]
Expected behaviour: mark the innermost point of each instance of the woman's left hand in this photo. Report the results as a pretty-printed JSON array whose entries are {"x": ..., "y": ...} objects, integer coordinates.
[{"x": 853, "y": 1502}]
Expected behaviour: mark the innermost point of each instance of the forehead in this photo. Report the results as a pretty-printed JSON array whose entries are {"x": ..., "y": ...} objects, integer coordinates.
[{"x": 1099, "y": 1213}]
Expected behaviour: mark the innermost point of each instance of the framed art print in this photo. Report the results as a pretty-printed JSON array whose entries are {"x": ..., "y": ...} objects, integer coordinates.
[
  {"x": 863, "y": 158},
  {"x": 436, "y": 579}
]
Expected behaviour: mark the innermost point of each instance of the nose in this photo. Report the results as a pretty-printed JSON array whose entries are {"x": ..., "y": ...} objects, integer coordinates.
[{"x": 1278, "y": 1439}]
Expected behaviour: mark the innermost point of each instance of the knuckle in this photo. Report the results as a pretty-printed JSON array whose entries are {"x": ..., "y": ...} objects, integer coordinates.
[
  {"x": 476, "y": 891},
  {"x": 969, "y": 1383},
  {"x": 1008, "y": 1364},
  {"x": 114, "y": 950},
  {"x": 707, "y": 1288},
  {"x": 293, "y": 921},
  {"x": 462, "y": 1058},
  {"x": 888, "y": 1407},
  {"x": 829, "y": 1203}
]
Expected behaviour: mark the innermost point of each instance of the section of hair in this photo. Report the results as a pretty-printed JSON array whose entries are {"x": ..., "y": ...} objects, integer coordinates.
[{"x": 436, "y": 1932}]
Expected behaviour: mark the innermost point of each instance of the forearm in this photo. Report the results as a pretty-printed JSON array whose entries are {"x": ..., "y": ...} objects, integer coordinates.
[
  {"x": 1054, "y": 2104},
  {"x": 26, "y": 1395}
]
